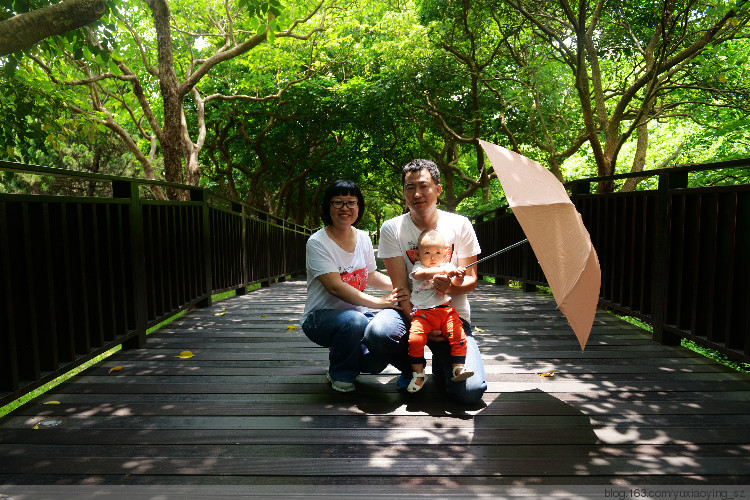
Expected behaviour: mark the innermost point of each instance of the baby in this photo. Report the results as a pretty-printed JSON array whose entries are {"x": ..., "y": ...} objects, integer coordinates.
[{"x": 433, "y": 310}]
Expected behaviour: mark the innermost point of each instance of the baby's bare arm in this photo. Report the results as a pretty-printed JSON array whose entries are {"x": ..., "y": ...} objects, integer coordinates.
[{"x": 427, "y": 273}]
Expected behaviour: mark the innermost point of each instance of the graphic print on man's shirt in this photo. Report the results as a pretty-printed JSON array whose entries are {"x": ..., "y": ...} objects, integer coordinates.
[
  {"x": 412, "y": 254},
  {"x": 356, "y": 278}
]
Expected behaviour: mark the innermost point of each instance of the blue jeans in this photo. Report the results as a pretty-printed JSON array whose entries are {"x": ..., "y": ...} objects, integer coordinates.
[
  {"x": 341, "y": 331},
  {"x": 386, "y": 341}
]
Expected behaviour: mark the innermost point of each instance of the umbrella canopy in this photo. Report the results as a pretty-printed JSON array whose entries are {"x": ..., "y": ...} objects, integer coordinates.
[{"x": 556, "y": 233}]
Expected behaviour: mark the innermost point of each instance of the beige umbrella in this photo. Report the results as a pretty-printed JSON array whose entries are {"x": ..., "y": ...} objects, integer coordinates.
[{"x": 556, "y": 233}]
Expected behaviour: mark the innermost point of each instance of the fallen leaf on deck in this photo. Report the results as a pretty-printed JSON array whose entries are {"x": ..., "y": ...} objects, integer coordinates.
[
  {"x": 478, "y": 297},
  {"x": 291, "y": 327},
  {"x": 547, "y": 374},
  {"x": 185, "y": 355},
  {"x": 220, "y": 314},
  {"x": 264, "y": 316},
  {"x": 51, "y": 403},
  {"x": 115, "y": 369},
  {"x": 477, "y": 329}
]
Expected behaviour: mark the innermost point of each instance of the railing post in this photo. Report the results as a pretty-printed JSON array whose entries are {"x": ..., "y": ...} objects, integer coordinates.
[
  {"x": 238, "y": 208},
  {"x": 525, "y": 265},
  {"x": 267, "y": 219},
  {"x": 660, "y": 291},
  {"x": 284, "y": 250},
  {"x": 580, "y": 187},
  {"x": 7, "y": 341},
  {"x": 129, "y": 190},
  {"x": 478, "y": 220},
  {"x": 200, "y": 196}
]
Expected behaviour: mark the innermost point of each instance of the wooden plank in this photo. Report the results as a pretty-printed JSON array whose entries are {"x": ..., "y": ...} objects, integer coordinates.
[
  {"x": 686, "y": 435},
  {"x": 385, "y": 466},
  {"x": 297, "y": 405}
]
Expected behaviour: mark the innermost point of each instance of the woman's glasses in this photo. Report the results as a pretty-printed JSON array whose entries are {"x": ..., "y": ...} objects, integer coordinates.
[{"x": 340, "y": 203}]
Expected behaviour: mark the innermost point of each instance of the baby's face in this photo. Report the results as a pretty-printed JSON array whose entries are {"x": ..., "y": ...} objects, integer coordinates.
[{"x": 431, "y": 254}]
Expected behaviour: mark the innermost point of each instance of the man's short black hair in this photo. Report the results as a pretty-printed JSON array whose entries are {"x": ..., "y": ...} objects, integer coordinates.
[
  {"x": 341, "y": 187},
  {"x": 419, "y": 164}
]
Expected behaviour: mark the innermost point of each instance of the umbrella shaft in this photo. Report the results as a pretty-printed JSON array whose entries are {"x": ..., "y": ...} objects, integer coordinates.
[{"x": 514, "y": 245}]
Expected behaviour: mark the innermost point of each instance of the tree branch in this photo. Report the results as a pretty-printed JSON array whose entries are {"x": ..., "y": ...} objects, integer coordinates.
[{"x": 25, "y": 30}]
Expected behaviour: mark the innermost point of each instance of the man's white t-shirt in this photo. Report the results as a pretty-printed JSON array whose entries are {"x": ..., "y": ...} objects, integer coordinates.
[
  {"x": 398, "y": 238},
  {"x": 324, "y": 256}
]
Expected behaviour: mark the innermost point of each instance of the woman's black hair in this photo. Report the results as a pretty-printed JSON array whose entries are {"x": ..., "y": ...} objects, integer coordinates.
[{"x": 341, "y": 187}]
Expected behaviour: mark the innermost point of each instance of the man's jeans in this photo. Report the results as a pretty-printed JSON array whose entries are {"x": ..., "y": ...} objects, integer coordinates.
[{"x": 386, "y": 341}]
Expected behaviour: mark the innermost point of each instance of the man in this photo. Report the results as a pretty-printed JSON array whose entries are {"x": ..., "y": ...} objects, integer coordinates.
[{"x": 386, "y": 335}]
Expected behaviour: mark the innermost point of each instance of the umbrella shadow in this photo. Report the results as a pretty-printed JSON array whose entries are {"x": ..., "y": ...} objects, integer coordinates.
[
  {"x": 534, "y": 434},
  {"x": 524, "y": 436}
]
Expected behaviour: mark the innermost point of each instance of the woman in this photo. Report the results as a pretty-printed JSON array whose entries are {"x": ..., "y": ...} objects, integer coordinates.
[{"x": 340, "y": 262}]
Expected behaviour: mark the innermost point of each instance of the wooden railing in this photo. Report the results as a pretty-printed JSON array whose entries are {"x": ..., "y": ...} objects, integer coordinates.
[
  {"x": 675, "y": 257},
  {"x": 80, "y": 275}
]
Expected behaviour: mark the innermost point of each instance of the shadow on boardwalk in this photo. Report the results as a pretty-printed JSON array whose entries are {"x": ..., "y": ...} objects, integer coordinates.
[{"x": 251, "y": 414}]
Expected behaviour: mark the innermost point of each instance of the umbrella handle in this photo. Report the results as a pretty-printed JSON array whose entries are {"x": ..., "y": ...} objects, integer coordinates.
[{"x": 514, "y": 245}]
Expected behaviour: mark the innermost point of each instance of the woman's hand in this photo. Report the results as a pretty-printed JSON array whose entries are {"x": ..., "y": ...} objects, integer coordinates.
[
  {"x": 402, "y": 293},
  {"x": 392, "y": 299}
]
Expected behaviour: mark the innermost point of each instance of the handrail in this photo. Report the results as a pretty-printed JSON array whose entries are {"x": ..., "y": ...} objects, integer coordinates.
[
  {"x": 80, "y": 275},
  {"x": 689, "y": 167},
  {"x": 675, "y": 257},
  {"x": 24, "y": 168}
]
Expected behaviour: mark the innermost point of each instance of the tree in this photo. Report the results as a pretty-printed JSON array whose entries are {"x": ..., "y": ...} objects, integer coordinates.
[
  {"x": 185, "y": 56},
  {"x": 625, "y": 57}
]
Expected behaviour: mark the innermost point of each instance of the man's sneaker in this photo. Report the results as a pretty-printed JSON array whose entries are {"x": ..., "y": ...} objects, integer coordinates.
[
  {"x": 339, "y": 385},
  {"x": 403, "y": 381}
]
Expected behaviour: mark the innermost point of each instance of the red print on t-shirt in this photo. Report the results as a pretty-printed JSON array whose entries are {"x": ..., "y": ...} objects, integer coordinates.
[
  {"x": 356, "y": 278},
  {"x": 412, "y": 254}
]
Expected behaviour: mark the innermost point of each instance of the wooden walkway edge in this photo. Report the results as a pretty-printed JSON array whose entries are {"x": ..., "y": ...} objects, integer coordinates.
[{"x": 251, "y": 412}]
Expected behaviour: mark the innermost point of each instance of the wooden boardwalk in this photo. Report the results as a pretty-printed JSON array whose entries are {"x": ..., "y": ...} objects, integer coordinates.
[{"x": 252, "y": 410}]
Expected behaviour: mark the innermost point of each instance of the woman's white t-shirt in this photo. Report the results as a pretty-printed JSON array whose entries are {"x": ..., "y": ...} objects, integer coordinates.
[{"x": 322, "y": 256}]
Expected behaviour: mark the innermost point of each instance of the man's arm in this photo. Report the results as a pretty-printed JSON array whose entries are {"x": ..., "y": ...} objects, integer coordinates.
[
  {"x": 396, "y": 268},
  {"x": 378, "y": 280}
]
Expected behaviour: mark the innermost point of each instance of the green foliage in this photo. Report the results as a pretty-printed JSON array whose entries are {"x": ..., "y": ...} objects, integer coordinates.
[
  {"x": 471, "y": 207},
  {"x": 693, "y": 346},
  {"x": 384, "y": 83}
]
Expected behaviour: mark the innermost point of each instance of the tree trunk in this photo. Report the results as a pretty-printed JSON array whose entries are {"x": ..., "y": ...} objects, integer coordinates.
[
  {"x": 299, "y": 218},
  {"x": 639, "y": 162},
  {"x": 24, "y": 30},
  {"x": 95, "y": 165},
  {"x": 170, "y": 141}
]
